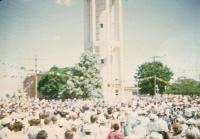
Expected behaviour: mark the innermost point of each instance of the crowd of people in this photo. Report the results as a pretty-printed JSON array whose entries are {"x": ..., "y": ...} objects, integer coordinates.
[{"x": 143, "y": 117}]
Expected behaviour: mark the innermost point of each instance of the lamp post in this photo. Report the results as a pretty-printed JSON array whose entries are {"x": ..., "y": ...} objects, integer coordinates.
[
  {"x": 154, "y": 71},
  {"x": 137, "y": 84},
  {"x": 36, "y": 78},
  {"x": 165, "y": 88},
  {"x": 157, "y": 90}
]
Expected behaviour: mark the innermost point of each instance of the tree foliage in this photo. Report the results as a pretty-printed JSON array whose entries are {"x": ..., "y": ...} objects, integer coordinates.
[
  {"x": 84, "y": 80},
  {"x": 81, "y": 81},
  {"x": 53, "y": 82},
  {"x": 145, "y": 75},
  {"x": 185, "y": 87}
]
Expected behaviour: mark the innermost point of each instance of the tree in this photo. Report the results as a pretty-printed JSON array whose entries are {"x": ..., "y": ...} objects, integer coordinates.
[
  {"x": 185, "y": 87},
  {"x": 53, "y": 82},
  {"x": 145, "y": 75},
  {"x": 85, "y": 80}
]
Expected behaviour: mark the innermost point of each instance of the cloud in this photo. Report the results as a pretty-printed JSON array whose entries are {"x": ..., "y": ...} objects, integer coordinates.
[{"x": 65, "y": 2}]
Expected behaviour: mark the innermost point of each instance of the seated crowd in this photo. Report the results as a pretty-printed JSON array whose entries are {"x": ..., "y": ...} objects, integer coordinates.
[{"x": 143, "y": 117}]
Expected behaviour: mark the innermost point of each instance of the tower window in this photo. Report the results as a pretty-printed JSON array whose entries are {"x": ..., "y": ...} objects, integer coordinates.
[
  {"x": 101, "y": 25},
  {"x": 102, "y": 61}
]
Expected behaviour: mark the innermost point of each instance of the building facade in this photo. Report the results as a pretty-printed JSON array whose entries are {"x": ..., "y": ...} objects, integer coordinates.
[{"x": 103, "y": 33}]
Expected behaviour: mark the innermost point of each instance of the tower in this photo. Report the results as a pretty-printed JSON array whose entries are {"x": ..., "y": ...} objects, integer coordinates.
[{"x": 103, "y": 36}]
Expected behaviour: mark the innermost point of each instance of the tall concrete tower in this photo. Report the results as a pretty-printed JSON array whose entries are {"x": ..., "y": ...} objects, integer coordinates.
[{"x": 103, "y": 30}]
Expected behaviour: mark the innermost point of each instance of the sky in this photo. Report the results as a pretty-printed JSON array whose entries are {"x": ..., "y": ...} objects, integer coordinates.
[{"x": 52, "y": 30}]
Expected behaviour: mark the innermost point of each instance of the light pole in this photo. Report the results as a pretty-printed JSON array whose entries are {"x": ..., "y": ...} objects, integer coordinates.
[
  {"x": 157, "y": 90},
  {"x": 36, "y": 78},
  {"x": 137, "y": 89},
  {"x": 154, "y": 71},
  {"x": 165, "y": 89}
]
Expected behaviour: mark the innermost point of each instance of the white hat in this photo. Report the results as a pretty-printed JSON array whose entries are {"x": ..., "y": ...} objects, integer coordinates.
[
  {"x": 6, "y": 120},
  {"x": 61, "y": 123},
  {"x": 155, "y": 135},
  {"x": 102, "y": 119},
  {"x": 153, "y": 117},
  {"x": 191, "y": 122},
  {"x": 87, "y": 128},
  {"x": 188, "y": 113},
  {"x": 140, "y": 131}
]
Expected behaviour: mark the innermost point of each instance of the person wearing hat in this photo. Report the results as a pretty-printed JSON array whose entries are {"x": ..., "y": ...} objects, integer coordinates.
[
  {"x": 34, "y": 128},
  {"x": 17, "y": 132},
  {"x": 139, "y": 131},
  {"x": 153, "y": 124},
  {"x": 177, "y": 130},
  {"x": 198, "y": 120},
  {"x": 142, "y": 117},
  {"x": 103, "y": 127},
  {"x": 88, "y": 133},
  {"x": 190, "y": 134},
  {"x": 92, "y": 129},
  {"x": 155, "y": 135},
  {"x": 49, "y": 128},
  {"x": 162, "y": 124},
  {"x": 59, "y": 130},
  {"x": 5, "y": 131},
  {"x": 192, "y": 129}
]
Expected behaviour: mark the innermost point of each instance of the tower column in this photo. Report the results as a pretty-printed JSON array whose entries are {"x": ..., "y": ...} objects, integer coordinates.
[
  {"x": 108, "y": 47},
  {"x": 104, "y": 34},
  {"x": 121, "y": 48},
  {"x": 93, "y": 13}
]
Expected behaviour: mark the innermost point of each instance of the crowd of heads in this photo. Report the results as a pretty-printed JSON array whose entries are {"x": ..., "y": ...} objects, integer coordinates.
[{"x": 142, "y": 117}]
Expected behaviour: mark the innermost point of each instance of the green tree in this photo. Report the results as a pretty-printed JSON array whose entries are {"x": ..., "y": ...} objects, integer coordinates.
[
  {"x": 53, "y": 82},
  {"x": 145, "y": 74},
  {"x": 185, "y": 87},
  {"x": 85, "y": 80}
]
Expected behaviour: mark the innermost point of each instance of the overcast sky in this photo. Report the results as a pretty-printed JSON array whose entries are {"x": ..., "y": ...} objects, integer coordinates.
[{"x": 53, "y": 30}]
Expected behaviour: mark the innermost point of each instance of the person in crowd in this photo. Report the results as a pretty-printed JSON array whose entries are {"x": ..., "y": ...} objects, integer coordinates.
[
  {"x": 140, "y": 117},
  {"x": 42, "y": 135},
  {"x": 17, "y": 132},
  {"x": 34, "y": 128},
  {"x": 192, "y": 130},
  {"x": 155, "y": 135},
  {"x": 177, "y": 130},
  {"x": 6, "y": 128},
  {"x": 69, "y": 135},
  {"x": 49, "y": 128},
  {"x": 115, "y": 133}
]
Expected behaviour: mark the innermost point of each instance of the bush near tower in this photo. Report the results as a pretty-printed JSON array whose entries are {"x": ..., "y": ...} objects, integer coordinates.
[
  {"x": 52, "y": 82},
  {"x": 85, "y": 79},
  {"x": 82, "y": 81}
]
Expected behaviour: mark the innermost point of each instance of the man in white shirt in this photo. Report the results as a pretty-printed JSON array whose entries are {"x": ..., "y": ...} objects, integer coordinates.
[
  {"x": 4, "y": 132},
  {"x": 34, "y": 129}
]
